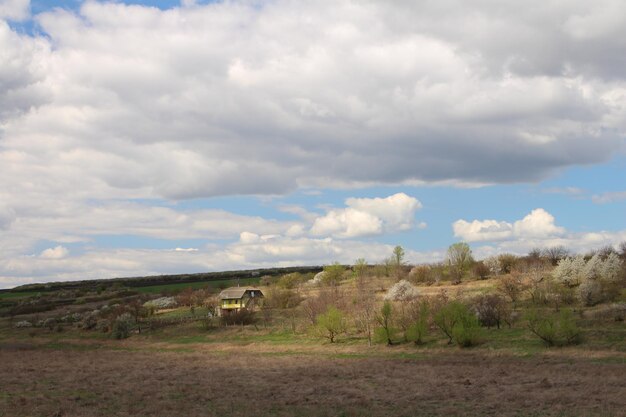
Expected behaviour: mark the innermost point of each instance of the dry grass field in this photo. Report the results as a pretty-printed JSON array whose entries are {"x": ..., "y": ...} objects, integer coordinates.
[
  {"x": 279, "y": 366},
  {"x": 136, "y": 379}
]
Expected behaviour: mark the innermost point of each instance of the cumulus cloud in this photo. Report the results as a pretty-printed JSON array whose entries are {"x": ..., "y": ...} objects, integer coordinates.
[
  {"x": 359, "y": 93},
  {"x": 58, "y": 252},
  {"x": 96, "y": 108},
  {"x": 536, "y": 230},
  {"x": 538, "y": 224},
  {"x": 16, "y": 10},
  {"x": 368, "y": 216}
]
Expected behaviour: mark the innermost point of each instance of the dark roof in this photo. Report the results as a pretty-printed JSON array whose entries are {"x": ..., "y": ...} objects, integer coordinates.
[{"x": 237, "y": 292}]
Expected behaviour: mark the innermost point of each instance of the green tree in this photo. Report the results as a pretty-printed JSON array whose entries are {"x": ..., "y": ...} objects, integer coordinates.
[
  {"x": 457, "y": 322},
  {"x": 397, "y": 260},
  {"x": 384, "y": 319},
  {"x": 459, "y": 260},
  {"x": 333, "y": 273},
  {"x": 331, "y": 323},
  {"x": 360, "y": 268}
]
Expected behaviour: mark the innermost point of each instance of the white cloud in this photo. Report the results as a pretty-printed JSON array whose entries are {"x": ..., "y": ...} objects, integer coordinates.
[
  {"x": 574, "y": 191},
  {"x": 58, "y": 252},
  {"x": 14, "y": 9},
  {"x": 536, "y": 230},
  {"x": 186, "y": 250},
  {"x": 538, "y": 224},
  {"x": 358, "y": 93},
  {"x": 480, "y": 230},
  {"x": 368, "y": 216},
  {"x": 609, "y": 197}
]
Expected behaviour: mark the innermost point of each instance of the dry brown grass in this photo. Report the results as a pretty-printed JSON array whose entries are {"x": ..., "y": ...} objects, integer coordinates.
[{"x": 39, "y": 381}]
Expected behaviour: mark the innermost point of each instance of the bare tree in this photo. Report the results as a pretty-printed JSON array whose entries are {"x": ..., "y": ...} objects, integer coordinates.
[
  {"x": 365, "y": 302},
  {"x": 555, "y": 254}
]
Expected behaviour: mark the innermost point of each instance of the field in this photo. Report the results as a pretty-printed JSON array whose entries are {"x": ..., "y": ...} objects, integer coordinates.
[
  {"x": 269, "y": 378},
  {"x": 166, "y": 288},
  {"x": 180, "y": 361}
]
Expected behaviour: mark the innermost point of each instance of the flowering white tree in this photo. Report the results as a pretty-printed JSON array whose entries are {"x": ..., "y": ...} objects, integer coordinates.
[
  {"x": 595, "y": 278},
  {"x": 493, "y": 263},
  {"x": 402, "y": 291},
  {"x": 612, "y": 268}
]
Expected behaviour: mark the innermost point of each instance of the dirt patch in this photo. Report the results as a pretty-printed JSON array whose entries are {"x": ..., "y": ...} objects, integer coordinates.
[{"x": 103, "y": 382}]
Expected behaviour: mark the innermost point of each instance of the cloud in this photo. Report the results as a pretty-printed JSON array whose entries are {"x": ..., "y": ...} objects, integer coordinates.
[
  {"x": 250, "y": 251},
  {"x": 16, "y": 10},
  {"x": 368, "y": 216},
  {"x": 536, "y": 230},
  {"x": 58, "y": 252},
  {"x": 609, "y": 197},
  {"x": 358, "y": 94},
  {"x": 573, "y": 191},
  {"x": 538, "y": 224}
]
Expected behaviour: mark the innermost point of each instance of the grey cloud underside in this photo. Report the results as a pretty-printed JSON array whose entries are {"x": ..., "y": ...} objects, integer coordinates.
[{"x": 232, "y": 99}]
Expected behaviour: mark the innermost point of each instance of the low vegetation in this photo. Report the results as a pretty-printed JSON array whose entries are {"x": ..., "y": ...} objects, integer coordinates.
[{"x": 545, "y": 303}]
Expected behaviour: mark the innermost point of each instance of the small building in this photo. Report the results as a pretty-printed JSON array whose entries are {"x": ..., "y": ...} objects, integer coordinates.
[{"x": 234, "y": 299}]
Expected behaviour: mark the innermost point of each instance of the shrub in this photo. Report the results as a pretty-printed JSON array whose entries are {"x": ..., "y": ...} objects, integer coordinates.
[
  {"x": 163, "y": 302},
  {"x": 613, "y": 312},
  {"x": 332, "y": 274},
  {"x": 590, "y": 292},
  {"x": 122, "y": 326},
  {"x": 314, "y": 306},
  {"x": 554, "y": 331},
  {"x": 49, "y": 323},
  {"x": 466, "y": 332},
  {"x": 241, "y": 317},
  {"x": 421, "y": 274},
  {"x": 481, "y": 270},
  {"x": 507, "y": 262},
  {"x": 384, "y": 319},
  {"x": 458, "y": 323},
  {"x": 492, "y": 310},
  {"x": 290, "y": 281},
  {"x": 89, "y": 320},
  {"x": 401, "y": 291},
  {"x": 511, "y": 286},
  {"x": 280, "y": 298},
  {"x": 330, "y": 324},
  {"x": 418, "y": 329}
]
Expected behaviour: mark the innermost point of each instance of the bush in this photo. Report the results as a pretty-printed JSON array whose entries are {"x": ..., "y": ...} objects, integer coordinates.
[
  {"x": 241, "y": 317},
  {"x": 457, "y": 322},
  {"x": 401, "y": 291},
  {"x": 281, "y": 299},
  {"x": 511, "y": 286},
  {"x": 492, "y": 310},
  {"x": 122, "y": 326},
  {"x": 332, "y": 274},
  {"x": 163, "y": 302},
  {"x": 554, "y": 331},
  {"x": 481, "y": 270},
  {"x": 330, "y": 324},
  {"x": 290, "y": 281},
  {"x": 590, "y": 292},
  {"x": 613, "y": 312},
  {"x": 466, "y": 332},
  {"x": 421, "y": 274},
  {"x": 385, "y": 332},
  {"x": 418, "y": 329}
]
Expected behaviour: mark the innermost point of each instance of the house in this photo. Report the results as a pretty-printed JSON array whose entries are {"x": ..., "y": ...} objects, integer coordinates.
[{"x": 234, "y": 299}]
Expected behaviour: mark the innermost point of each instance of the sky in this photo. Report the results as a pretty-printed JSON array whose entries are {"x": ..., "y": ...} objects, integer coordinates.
[{"x": 153, "y": 137}]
